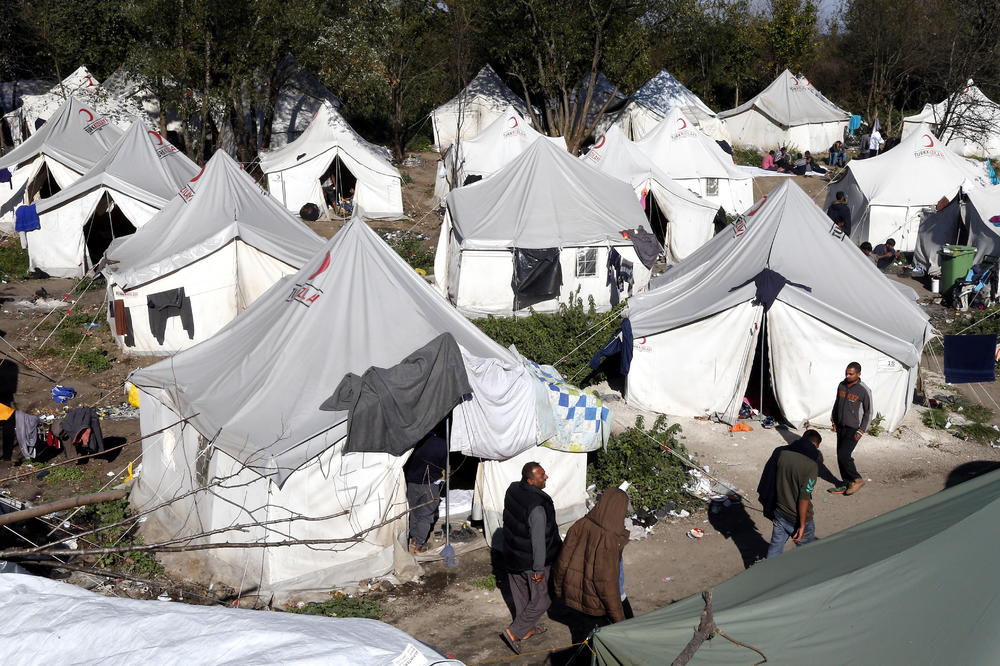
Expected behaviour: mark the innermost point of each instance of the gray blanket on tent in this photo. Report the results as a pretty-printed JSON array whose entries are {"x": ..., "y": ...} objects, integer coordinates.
[{"x": 391, "y": 409}]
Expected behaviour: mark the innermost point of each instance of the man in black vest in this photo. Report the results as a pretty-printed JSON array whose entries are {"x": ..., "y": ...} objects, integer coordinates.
[{"x": 530, "y": 546}]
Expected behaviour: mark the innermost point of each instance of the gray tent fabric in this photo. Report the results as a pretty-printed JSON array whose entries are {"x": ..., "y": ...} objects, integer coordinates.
[
  {"x": 943, "y": 227},
  {"x": 972, "y": 218},
  {"x": 142, "y": 165},
  {"x": 218, "y": 205},
  {"x": 787, "y": 233},
  {"x": 911, "y": 586},
  {"x": 75, "y": 136},
  {"x": 259, "y": 382},
  {"x": 543, "y": 198},
  {"x": 391, "y": 409},
  {"x": 778, "y": 103}
]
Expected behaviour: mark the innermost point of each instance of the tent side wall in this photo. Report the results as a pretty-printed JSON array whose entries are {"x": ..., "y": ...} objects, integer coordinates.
[
  {"x": 901, "y": 223},
  {"x": 735, "y": 195},
  {"x": 482, "y": 283},
  {"x": 464, "y": 121},
  {"x": 753, "y": 129},
  {"x": 58, "y": 246},
  {"x": 220, "y": 286}
]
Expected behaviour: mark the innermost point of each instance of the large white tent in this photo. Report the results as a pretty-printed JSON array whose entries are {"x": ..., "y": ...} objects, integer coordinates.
[
  {"x": 253, "y": 394},
  {"x": 681, "y": 218},
  {"x": 545, "y": 199},
  {"x": 330, "y": 149},
  {"x": 694, "y": 160},
  {"x": 972, "y": 122},
  {"x": 790, "y": 112},
  {"x": 654, "y": 101},
  {"x": 299, "y": 98},
  {"x": 753, "y": 300},
  {"x": 468, "y": 113},
  {"x": 55, "y": 156},
  {"x": 474, "y": 159},
  {"x": 218, "y": 245},
  {"x": 135, "y": 179},
  {"x": 889, "y": 195},
  {"x": 972, "y": 218}
]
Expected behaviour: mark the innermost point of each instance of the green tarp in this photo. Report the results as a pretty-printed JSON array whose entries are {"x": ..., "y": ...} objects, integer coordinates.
[{"x": 917, "y": 585}]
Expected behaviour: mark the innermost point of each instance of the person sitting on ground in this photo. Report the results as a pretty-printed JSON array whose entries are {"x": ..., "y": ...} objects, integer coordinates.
[
  {"x": 768, "y": 163},
  {"x": 866, "y": 249},
  {"x": 347, "y": 203},
  {"x": 783, "y": 159},
  {"x": 811, "y": 165},
  {"x": 838, "y": 156},
  {"x": 886, "y": 253},
  {"x": 840, "y": 213}
]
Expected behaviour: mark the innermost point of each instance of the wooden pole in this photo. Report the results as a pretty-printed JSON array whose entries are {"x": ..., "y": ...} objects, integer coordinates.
[{"x": 60, "y": 505}]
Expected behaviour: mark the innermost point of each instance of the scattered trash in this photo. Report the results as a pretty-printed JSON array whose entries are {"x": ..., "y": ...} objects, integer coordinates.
[
  {"x": 122, "y": 411},
  {"x": 92, "y": 326},
  {"x": 695, "y": 533},
  {"x": 164, "y": 597},
  {"x": 40, "y": 304},
  {"x": 767, "y": 422},
  {"x": 667, "y": 579},
  {"x": 740, "y": 427},
  {"x": 683, "y": 513},
  {"x": 63, "y": 394}
]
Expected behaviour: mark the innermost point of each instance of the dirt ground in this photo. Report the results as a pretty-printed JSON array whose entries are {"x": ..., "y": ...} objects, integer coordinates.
[{"x": 445, "y": 609}]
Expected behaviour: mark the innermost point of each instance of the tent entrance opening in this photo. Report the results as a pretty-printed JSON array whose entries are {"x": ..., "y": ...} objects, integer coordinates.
[
  {"x": 760, "y": 389},
  {"x": 338, "y": 185},
  {"x": 106, "y": 224},
  {"x": 43, "y": 185},
  {"x": 657, "y": 220}
]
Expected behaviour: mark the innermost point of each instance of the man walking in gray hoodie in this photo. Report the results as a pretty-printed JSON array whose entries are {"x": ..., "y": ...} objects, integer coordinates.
[{"x": 852, "y": 413}]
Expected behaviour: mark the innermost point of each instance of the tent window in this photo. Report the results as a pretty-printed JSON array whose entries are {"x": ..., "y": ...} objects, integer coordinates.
[
  {"x": 586, "y": 262},
  {"x": 711, "y": 187}
]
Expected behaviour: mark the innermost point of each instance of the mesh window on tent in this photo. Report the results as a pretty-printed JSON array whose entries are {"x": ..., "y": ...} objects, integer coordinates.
[{"x": 586, "y": 262}]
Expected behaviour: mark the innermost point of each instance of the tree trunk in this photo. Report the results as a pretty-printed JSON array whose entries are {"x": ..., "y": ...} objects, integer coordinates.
[{"x": 60, "y": 505}]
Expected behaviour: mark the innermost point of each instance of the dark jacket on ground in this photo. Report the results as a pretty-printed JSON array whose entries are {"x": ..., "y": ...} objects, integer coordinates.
[
  {"x": 77, "y": 420},
  {"x": 521, "y": 499},
  {"x": 586, "y": 574}
]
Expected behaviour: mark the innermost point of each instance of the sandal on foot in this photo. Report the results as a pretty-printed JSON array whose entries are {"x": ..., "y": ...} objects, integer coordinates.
[
  {"x": 508, "y": 638},
  {"x": 837, "y": 490},
  {"x": 540, "y": 629}
]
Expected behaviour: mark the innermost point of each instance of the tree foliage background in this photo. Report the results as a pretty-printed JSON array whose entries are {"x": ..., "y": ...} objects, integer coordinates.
[{"x": 215, "y": 64}]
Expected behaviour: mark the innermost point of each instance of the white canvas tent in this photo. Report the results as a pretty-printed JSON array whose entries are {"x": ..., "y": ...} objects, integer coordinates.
[
  {"x": 254, "y": 391},
  {"x": 504, "y": 139},
  {"x": 223, "y": 240},
  {"x": 790, "y": 112},
  {"x": 299, "y": 98},
  {"x": 697, "y": 162},
  {"x": 973, "y": 122},
  {"x": 55, "y": 156},
  {"x": 889, "y": 195},
  {"x": 972, "y": 218},
  {"x": 88, "y": 626},
  {"x": 679, "y": 217},
  {"x": 654, "y": 101},
  {"x": 703, "y": 331},
  {"x": 545, "y": 198},
  {"x": 469, "y": 112},
  {"x": 134, "y": 179},
  {"x": 330, "y": 148}
]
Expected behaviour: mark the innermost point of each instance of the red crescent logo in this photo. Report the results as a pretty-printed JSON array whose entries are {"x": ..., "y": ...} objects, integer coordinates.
[
  {"x": 90, "y": 82},
  {"x": 513, "y": 119},
  {"x": 930, "y": 141},
  {"x": 795, "y": 81},
  {"x": 682, "y": 123},
  {"x": 642, "y": 340},
  {"x": 322, "y": 267},
  {"x": 159, "y": 139},
  {"x": 199, "y": 175},
  {"x": 90, "y": 116},
  {"x": 600, "y": 142}
]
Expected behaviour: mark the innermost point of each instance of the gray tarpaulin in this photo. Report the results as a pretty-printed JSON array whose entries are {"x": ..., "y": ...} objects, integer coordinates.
[
  {"x": 787, "y": 233},
  {"x": 544, "y": 198},
  {"x": 391, "y": 409}
]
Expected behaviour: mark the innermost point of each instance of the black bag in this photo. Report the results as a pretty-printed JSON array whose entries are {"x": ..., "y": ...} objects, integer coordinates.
[
  {"x": 309, "y": 212},
  {"x": 537, "y": 274}
]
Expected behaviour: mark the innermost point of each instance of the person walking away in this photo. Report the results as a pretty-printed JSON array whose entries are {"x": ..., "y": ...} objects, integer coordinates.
[
  {"x": 852, "y": 413},
  {"x": 785, "y": 492},
  {"x": 424, "y": 472},
  {"x": 840, "y": 213},
  {"x": 530, "y": 546},
  {"x": 589, "y": 574}
]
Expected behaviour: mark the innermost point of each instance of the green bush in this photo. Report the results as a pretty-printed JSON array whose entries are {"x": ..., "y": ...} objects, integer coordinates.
[
  {"x": 547, "y": 338},
  {"x": 410, "y": 247},
  {"x": 635, "y": 456},
  {"x": 343, "y": 606},
  {"x": 935, "y": 418},
  {"x": 69, "y": 337},
  {"x": 13, "y": 260},
  {"x": 93, "y": 360},
  {"x": 106, "y": 514},
  {"x": 747, "y": 156},
  {"x": 421, "y": 143},
  {"x": 59, "y": 475},
  {"x": 876, "y": 428}
]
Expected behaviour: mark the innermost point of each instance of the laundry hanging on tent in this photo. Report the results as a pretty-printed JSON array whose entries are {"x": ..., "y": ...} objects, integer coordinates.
[
  {"x": 621, "y": 344},
  {"x": 991, "y": 172},
  {"x": 970, "y": 358},
  {"x": 647, "y": 246},
  {"x": 391, "y": 409},
  {"x": 163, "y": 305},
  {"x": 582, "y": 421},
  {"x": 537, "y": 274},
  {"x": 854, "y": 123},
  {"x": 619, "y": 274},
  {"x": 5, "y": 176},
  {"x": 26, "y": 218},
  {"x": 769, "y": 284}
]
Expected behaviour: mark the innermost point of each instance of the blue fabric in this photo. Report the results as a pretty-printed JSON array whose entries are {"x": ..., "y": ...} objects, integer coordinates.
[
  {"x": 5, "y": 176},
  {"x": 63, "y": 394},
  {"x": 990, "y": 171},
  {"x": 854, "y": 123},
  {"x": 782, "y": 530},
  {"x": 620, "y": 344},
  {"x": 970, "y": 358},
  {"x": 26, "y": 218}
]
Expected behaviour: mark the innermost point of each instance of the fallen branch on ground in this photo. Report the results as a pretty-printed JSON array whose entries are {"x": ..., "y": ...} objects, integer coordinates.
[{"x": 60, "y": 505}]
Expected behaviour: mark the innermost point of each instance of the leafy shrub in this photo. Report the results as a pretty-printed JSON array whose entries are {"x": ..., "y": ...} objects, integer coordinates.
[
  {"x": 421, "y": 143},
  {"x": 635, "y": 456},
  {"x": 747, "y": 156},
  {"x": 548, "y": 338},
  {"x": 106, "y": 515},
  {"x": 875, "y": 428},
  {"x": 410, "y": 247},
  {"x": 69, "y": 337},
  {"x": 343, "y": 606},
  {"x": 93, "y": 360},
  {"x": 935, "y": 418}
]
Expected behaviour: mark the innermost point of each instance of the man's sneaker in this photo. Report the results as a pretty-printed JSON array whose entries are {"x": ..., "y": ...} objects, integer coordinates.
[
  {"x": 854, "y": 487},
  {"x": 837, "y": 490}
]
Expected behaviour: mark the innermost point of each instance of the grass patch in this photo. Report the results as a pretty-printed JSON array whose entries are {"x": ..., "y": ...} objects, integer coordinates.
[
  {"x": 13, "y": 260},
  {"x": 747, "y": 156},
  {"x": 90, "y": 285},
  {"x": 59, "y": 475},
  {"x": 343, "y": 606},
  {"x": 484, "y": 582},
  {"x": 410, "y": 247}
]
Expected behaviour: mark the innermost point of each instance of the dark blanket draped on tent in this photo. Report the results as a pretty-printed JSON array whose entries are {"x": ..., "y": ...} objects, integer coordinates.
[
  {"x": 391, "y": 409},
  {"x": 537, "y": 274},
  {"x": 970, "y": 358},
  {"x": 769, "y": 284}
]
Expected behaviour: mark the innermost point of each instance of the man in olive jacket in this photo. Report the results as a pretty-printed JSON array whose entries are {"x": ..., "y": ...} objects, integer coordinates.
[{"x": 530, "y": 546}]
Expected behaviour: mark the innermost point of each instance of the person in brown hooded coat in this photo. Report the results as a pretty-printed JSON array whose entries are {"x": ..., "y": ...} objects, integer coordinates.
[{"x": 588, "y": 572}]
